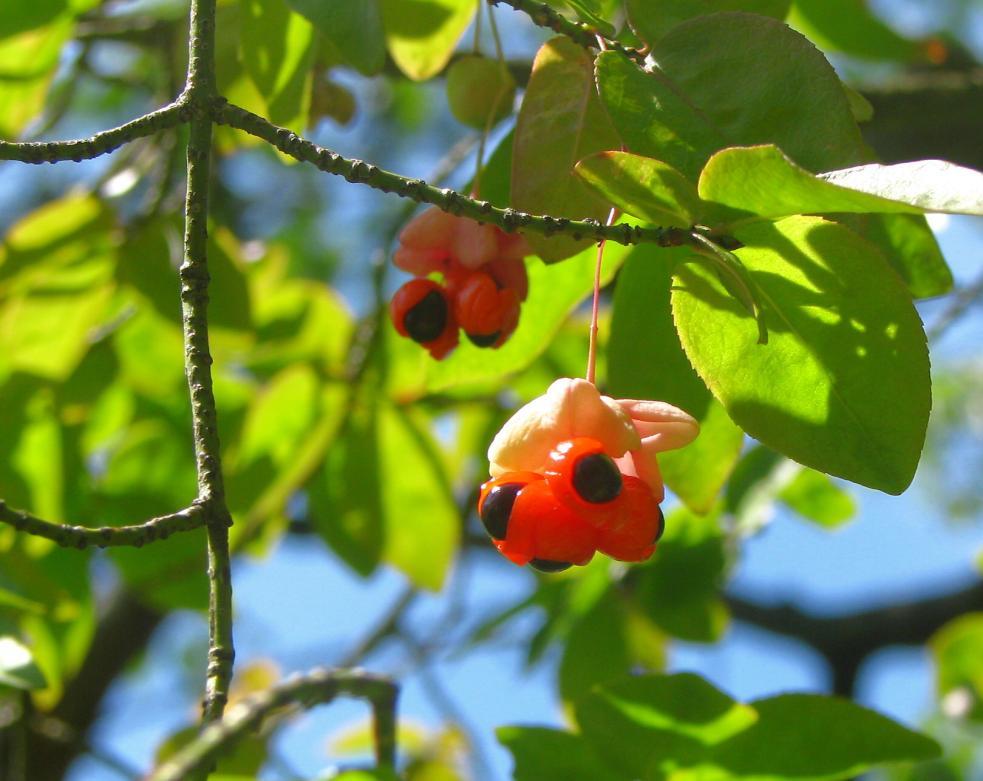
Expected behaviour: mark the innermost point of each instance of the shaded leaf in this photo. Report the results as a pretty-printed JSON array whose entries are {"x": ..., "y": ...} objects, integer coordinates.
[
  {"x": 802, "y": 736},
  {"x": 561, "y": 121},
  {"x": 652, "y": 20},
  {"x": 645, "y": 188},
  {"x": 540, "y": 753},
  {"x": 679, "y": 589},
  {"x": 646, "y": 361},
  {"x": 354, "y": 27},
  {"x": 596, "y": 650},
  {"x": 958, "y": 652},
  {"x": 850, "y": 27}
]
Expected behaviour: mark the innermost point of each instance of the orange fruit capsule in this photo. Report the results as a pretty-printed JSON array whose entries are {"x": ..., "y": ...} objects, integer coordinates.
[
  {"x": 420, "y": 311},
  {"x": 537, "y": 528},
  {"x": 586, "y": 480},
  {"x": 639, "y": 524}
]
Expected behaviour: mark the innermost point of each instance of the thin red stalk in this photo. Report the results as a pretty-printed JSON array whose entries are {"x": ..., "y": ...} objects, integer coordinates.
[{"x": 592, "y": 351}]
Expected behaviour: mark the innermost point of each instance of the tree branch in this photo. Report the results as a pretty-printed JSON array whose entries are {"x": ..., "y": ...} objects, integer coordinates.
[
  {"x": 509, "y": 220},
  {"x": 847, "y": 640},
  {"x": 199, "y": 92},
  {"x": 37, "y": 152},
  {"x": 320, "y": 686},
  {"x": 580, "y": 33},
  {"x": 137, "y": 536}
]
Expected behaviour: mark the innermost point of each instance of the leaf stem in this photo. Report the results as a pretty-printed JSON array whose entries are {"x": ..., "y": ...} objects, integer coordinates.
[{"x": 596, "y": 305}]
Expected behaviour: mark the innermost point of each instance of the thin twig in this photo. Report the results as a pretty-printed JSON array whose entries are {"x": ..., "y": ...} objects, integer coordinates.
[
  {"x": 194, "y": 278},
  {"x": 509, "y": 220},
  {"x": 317, "y": 687},
  {"x": 137, "y": 536},
  {"x": 580, "y": 33},
  {"x": 37, "y": 152}
]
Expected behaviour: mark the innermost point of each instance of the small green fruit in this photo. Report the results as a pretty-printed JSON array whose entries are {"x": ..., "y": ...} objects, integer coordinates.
[{"x": 479, "y": 90}]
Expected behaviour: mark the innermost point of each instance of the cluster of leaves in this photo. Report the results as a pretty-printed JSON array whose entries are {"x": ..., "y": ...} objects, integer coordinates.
[{"x": 791, "y": 320}]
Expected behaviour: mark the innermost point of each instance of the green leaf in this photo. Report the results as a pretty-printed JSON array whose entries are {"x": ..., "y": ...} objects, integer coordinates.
[
  {"x": 958, "y": 651},
  {"x": 600, "y": 633},
  {"x": 56, "y": 280},
  {"x": 561, "y": 121},
  {"x": 930, "y": 185},
  {"x": 815, "y": 497},
  {"x": 541, "y": 753},
  {"x": 802, "y": 736},
  {"x": 383, "y": 495},
  {"x": 645, "y": 188},
  {"x": 652, "y": 116},
  {"x": 679, "y": 589},
  {"x": 17, "y": 667},
  {"x": 761, "y": 180},
  {"x": 28, "y": 62},
  {"x": 658, "y": 721},
  {"x": 848, "y": 26},
  {"x": 422, "y": 34},
  {"x": 276, "y": 50},
  {"x": 909, "y": 246},
  {"x": 718, "y": 80},
  {"x": 646, "y": 361},
  {"x": 843, "y": 383},
  {"x": 652, "y": 20},
  {"x": 354, "y": 27},
  {"x": 25, "y": 16}
]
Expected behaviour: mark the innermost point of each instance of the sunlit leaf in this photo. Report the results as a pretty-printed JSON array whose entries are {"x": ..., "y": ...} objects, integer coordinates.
[
  {"x": 276, "y": 50},
  {"x": 662, "y": 721},
  {"x": 843, "y": 383},
  {"x": 17, "y": 667},
  {"x": 422, "y": 34}
]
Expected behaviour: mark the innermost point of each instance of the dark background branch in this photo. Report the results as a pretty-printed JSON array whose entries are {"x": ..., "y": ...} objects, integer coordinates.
[{"x": 845, "y": 641}]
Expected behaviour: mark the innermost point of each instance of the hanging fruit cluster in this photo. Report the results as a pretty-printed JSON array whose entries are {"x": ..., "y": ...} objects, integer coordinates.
[
  {"x": 574, "y": 473},
  {"x": 482, "y": 282}
]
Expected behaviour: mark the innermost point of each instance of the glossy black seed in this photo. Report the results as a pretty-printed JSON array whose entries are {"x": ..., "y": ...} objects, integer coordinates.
[
  {"x": 662, "y": 526},
  {"x": 596, "y": 478},
  {"x": 546, "y": 565},
  {"x": 484, "y": 340},
  {"x": 427, "y": 320},
  {"x": 497, "y": 508}
]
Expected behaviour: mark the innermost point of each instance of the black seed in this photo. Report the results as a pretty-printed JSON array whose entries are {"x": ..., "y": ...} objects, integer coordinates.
[
  {"x": 596, "y": 478},
  {"x": 484, "y": 340},
  {"x": 545, "y": 565},
  {"x": 662, "y": 526},
  {"x": 427, "y": 320},
  {"x": 497, "y": 508}
]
